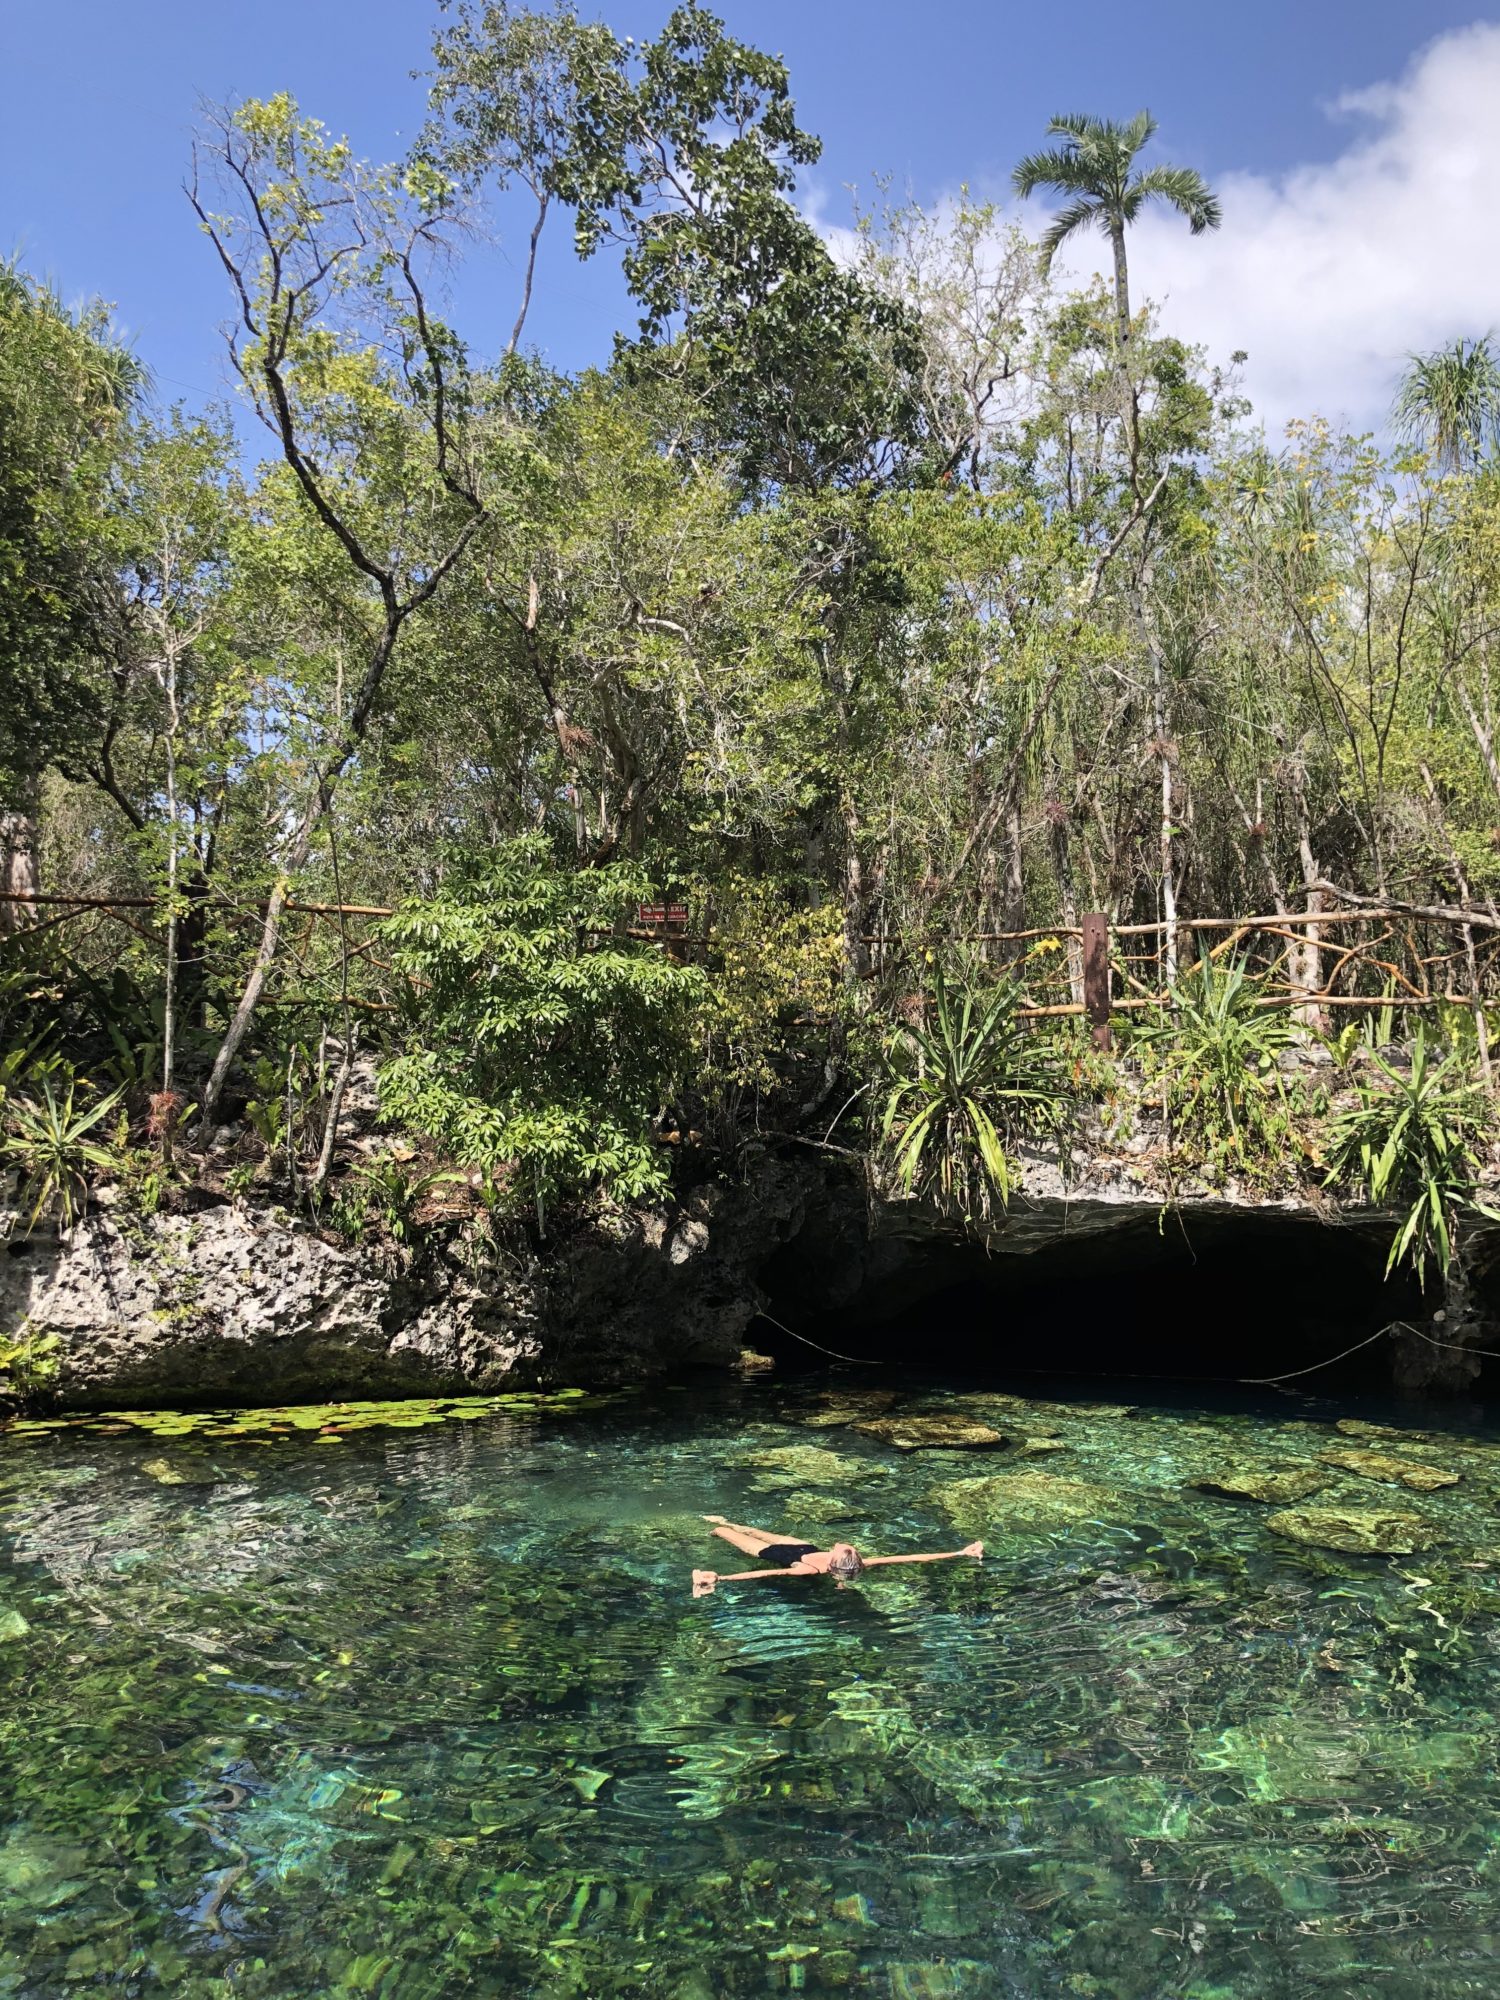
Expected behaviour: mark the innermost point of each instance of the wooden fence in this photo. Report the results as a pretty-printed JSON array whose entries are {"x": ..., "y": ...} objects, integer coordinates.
[{"x": 1366, "y": 954}]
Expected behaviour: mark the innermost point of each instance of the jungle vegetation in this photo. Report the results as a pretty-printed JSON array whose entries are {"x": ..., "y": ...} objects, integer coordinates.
[{"x": 864, "y": 607}]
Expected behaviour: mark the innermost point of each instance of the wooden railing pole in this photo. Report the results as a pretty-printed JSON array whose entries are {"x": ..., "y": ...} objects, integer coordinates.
[{"x": 1096, "y": 976}]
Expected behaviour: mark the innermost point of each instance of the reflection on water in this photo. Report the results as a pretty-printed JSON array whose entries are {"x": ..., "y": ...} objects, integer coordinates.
[{"x": 431, "y": 1712}]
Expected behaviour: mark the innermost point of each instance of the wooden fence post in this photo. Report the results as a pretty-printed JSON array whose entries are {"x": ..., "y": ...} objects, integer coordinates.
[{"x": 1096, "y": 993}]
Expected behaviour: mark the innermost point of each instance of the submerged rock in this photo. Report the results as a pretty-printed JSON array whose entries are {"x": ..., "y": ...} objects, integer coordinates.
[
  {"x": 1024, "y": 1499},
  {"x": 1356, "y": 1427},
  {"x": 839, "y": 1412},
  {"x": 1275, "y": 1484},
  {"x": 1390, "y": 1470},
  {"x": 812, "y": 1465},
  {"x": 934, "y": 1433},
  {"x": 1357, "y": 1531}
]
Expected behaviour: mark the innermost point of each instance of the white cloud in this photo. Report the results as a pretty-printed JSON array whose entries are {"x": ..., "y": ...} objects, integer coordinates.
[{"x": 1329, "y": 275}]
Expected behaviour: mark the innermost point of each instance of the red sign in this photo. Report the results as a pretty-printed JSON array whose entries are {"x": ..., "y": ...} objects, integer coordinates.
[{"x": 663, "y": 916}]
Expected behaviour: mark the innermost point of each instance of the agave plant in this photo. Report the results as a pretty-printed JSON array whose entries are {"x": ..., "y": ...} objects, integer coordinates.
[
  {"x": 1411, "y": 1143},
  {"x": 964, "y": 1087},
  {"x": 48, "y": 1139}
]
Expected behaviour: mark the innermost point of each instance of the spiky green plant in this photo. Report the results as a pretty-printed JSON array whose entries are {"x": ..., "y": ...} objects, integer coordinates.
[
  {"x": 47, "y": 1139},
  {"x": 1092, "y": 170},
  {"x": 1448, "y": 402},
  {"x": 1412, "y": 1143},
  {"x": 965, "y": 1087},
  {"x": 1217, "y": 1050}
]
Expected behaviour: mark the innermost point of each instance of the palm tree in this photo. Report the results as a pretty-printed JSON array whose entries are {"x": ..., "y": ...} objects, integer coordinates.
[
  {"x": 1093, "y": 169},
  {"x": 1449, "y": 402}
]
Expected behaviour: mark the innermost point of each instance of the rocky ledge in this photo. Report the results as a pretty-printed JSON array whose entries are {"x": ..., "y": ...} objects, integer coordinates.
[{"x": 236, "y": 1304}]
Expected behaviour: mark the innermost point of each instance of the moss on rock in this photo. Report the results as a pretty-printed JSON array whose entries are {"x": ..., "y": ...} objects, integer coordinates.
[
  {"x": 1390, "y": 1470},
  {"x": 1275, "y": 1484},
  {"x": 1358, "y": 1531}
]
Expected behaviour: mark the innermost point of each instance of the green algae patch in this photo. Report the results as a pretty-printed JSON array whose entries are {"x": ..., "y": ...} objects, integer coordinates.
[
  {"x": 325, "y": 1420},
  {"x": 1276, "y": 1485},
  {"x": 1024, "y": 1500},
  {"x": 934, "y": 1433},
  {"x": 1390, "y": 1470},
  {"x": 1354, "y": 1531}
]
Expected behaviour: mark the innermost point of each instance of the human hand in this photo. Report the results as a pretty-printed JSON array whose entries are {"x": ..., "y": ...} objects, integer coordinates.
[
  {"x": 975, "y": 1549},
  {"x": 703, "y": 1582}
]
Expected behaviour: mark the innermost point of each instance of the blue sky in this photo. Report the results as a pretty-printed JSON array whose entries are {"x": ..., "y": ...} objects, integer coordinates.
[{"x": 100, "y": 98}]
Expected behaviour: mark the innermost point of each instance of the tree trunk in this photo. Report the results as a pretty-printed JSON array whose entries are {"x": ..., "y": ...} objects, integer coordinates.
[
  {"x": 1122, "y": 282},
  {"x": 18, "y": 865}
]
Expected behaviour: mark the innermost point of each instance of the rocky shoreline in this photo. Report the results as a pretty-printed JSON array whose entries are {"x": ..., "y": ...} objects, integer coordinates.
[{"x": 237, "y": 1303}]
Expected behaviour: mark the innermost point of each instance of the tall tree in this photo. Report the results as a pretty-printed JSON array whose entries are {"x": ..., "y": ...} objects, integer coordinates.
[
  {"x": 65, "y": 386},
  {"x": 1093, "y": 169}
]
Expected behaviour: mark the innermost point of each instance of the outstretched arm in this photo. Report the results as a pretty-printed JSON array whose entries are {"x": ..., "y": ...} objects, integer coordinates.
[
  {"x": 975, "y": 1549},
  {"x": 704, "y": 1580}
]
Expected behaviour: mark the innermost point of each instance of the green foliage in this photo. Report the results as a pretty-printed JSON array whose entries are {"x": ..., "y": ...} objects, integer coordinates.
[
  {"x": 966, "y": 1087},
  {"x": 1413, "y": 1143},
  {"x": 64, "y": 386},
  {"x": 1449, "y": 402},
  {"x": 540, "y": 1038},
  {"x": 775, "y": 990},
  {"x": 385, "y": 1193},
  {"x": 51, "y": 1140},
  {"x": 29, "y": 1363},
  {"x": 1215, "y": 1053}
]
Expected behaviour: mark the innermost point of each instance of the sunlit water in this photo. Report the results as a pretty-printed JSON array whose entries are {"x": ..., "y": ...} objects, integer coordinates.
[{"x": 431, "y": 1712}]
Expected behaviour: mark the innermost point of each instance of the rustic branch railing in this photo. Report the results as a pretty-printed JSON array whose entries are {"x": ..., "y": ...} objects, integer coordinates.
[{"x": 1336, "y": 955}]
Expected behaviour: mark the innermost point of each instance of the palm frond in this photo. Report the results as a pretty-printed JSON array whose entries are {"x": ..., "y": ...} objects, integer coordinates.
[
  {"x": 1185, "y": 189},
  {"x": 1065, "y": 170},
  {"x": 1067, "y": 222},
  {"x": 1134, "y": 135}
]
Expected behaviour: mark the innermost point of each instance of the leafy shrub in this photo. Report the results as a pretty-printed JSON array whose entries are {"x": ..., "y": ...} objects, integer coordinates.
[
  {"x": 965, "y": 1087},
  {"x": 538, "y": 1034},
  {"x": 1412, "y": 1142}
]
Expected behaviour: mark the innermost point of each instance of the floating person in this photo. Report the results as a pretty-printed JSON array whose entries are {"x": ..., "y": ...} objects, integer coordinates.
[{"x": 842, "y": 1561}]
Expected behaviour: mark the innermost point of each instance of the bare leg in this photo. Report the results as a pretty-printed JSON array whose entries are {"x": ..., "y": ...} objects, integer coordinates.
[{"x": 750, "y": 1541}]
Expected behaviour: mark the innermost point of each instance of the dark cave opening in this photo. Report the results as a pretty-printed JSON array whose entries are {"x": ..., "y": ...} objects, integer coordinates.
[{"x": 1226, "y": 1298}]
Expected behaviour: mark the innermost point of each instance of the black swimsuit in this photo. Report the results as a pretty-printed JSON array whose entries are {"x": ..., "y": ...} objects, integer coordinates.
[{"x": 781, "y": 1555}]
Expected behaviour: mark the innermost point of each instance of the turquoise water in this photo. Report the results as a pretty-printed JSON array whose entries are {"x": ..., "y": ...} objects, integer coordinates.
[{"x": 430, "y": 1711}]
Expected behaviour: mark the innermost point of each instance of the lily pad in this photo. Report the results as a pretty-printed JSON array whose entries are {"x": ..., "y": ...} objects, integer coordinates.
[
  {"x": 1358, "y": 1531},
  {"x": 1390, "y": 1470},
  {"x": 934, "y": 1433},
  {"x": 1274, "y": 1484}
]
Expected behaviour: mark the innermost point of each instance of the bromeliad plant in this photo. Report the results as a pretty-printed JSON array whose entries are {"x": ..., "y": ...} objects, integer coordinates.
[
  {"x": 965, "y": 1089},
  {"x": 1412, "y": 1142},
  {"x": 54, "y": 1143},
  {"x": 1216, "y": 1052}
]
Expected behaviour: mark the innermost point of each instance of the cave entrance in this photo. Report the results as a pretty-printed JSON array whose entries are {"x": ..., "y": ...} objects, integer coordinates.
[{"x": 1221, "y": 1298}]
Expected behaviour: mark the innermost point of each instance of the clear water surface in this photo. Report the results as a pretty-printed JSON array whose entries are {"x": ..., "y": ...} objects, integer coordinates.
[{"x": 429, "y": 1711}]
